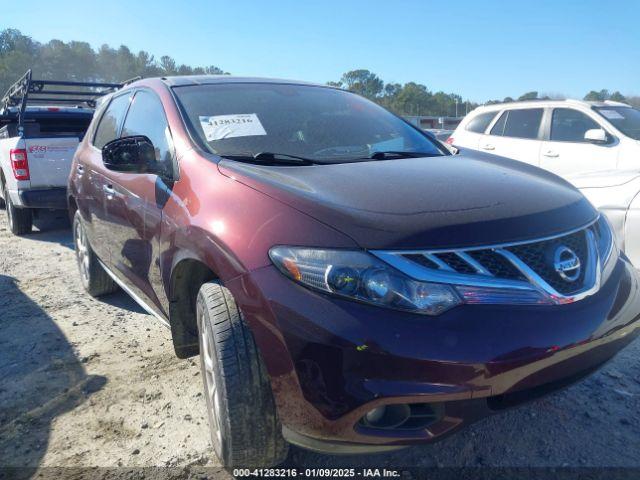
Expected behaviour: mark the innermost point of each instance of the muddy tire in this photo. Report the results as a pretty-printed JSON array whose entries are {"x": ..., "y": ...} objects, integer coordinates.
[
  {"x": 20, "y": 220},
  {"x": 245, "y": 430},
  {"x": 95, "y": 280}
]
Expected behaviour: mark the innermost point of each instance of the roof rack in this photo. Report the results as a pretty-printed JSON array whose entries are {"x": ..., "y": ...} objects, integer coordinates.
[{"x": 27, "y": 91}]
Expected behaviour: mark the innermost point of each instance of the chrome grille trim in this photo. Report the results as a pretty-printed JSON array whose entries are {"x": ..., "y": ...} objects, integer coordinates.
[
  {"x": 527, "y": 278},
  {"x": 465, "y": 257},
  {"x": 435, "y": 259}
]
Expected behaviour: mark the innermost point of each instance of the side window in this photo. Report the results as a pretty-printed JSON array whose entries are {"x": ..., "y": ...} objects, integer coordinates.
[
  {"x": 479, "y": 123},
  {"x": 568, "y": 125},
  {"x": 110, "y": 122},
  {"x": 146, "y": 117},
  {"x": 523, "y": 123},
  {"x": 498, "y": 128}
]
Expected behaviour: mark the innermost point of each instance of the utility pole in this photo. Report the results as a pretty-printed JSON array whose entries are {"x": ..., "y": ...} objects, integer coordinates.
[{"x": 456, "y": 108}]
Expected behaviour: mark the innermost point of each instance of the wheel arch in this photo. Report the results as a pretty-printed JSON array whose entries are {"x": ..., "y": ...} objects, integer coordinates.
[
  {"x": 73, "y": 207},
  {"x": 187, "y": 276}
]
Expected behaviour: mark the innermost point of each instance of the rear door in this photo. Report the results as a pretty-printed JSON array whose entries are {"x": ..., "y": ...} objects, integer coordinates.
[
  {"x": 134, "y": 209},
  {"x": 567, "y": 152},
  {"x": 469, "y": 134},
  {"x": 516, "y": 134}
]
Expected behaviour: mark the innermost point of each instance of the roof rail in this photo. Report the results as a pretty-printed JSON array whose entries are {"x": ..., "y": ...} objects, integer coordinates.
[
  {"x": 27, "y": 91},
  {"x": 131, "y": 80},
  {"x": 613, "y": 103}
]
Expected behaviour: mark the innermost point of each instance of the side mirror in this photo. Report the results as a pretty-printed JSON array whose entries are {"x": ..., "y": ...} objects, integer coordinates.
[
  {"x": 130, "y": 154},
  {"x": 596, "y": 135}
]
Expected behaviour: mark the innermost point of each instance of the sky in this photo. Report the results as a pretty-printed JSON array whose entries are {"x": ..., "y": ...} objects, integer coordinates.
[{"x": 479, "y": 49}]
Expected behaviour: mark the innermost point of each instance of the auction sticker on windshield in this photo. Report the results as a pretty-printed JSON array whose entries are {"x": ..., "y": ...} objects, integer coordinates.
[{"x": 218, "y": 127}]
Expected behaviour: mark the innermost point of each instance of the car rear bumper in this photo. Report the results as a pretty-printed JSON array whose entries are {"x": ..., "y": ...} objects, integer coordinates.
[
  {"x": 331, "y": 361},
  {"x": 54, "y": 198}
]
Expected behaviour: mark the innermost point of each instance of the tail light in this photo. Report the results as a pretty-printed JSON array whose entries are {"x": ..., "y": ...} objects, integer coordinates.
[
  {"x": 19, "y": 163},
  {"x": 450, "y": 140}
]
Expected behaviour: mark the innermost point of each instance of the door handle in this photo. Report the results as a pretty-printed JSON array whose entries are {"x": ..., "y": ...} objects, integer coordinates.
[
  {"x": 488, "y": 146},
  {"x": 108, "y": 189},
  {"x": 551, "y": 154}
]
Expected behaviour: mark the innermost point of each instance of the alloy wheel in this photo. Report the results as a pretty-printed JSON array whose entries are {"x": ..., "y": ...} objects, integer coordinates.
[
  {"x": 207, "y": 355},
  {"x": 82, "y": 251}
]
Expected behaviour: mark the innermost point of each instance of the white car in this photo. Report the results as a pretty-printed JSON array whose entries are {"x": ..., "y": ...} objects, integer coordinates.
[{"x": 594, "y": 145}]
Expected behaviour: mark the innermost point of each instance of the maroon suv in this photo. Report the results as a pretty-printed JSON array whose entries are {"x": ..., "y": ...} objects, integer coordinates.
[{"x": 349, "y": 284}]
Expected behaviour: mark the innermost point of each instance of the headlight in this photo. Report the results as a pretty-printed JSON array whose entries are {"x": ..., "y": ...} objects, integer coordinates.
[{"x": 360, "y": 276}]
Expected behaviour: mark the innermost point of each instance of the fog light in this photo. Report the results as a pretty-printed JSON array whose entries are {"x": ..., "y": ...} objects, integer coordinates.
[
  {"x": 388, "y": 416},
  {"x": 375, "y": 415}
]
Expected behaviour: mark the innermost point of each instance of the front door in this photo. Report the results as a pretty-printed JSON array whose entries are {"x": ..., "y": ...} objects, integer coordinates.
[
  {"x": 567, "y": 152},
  {"x": 134, "y": 206}
]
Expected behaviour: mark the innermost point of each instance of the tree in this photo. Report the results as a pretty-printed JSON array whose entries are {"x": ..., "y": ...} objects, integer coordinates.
[
  {"x": 413, "y": 99},
  {"x": 633, "y": 101},
  {"x": 600, "y": 96},
  {"x": 617, "y": 97},
  {"x": 78, "y": 61},
  {"x": 528, "y": 96},
  {"x": 362, "y": 82}
]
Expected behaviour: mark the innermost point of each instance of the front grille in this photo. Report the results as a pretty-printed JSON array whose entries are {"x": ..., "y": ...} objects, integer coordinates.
[
  {"x": 563, "y": 266},
  {"x": 497, "y": 265},
  {"x": 455, "y": 262},
  {"x": 539, "y": 257}
]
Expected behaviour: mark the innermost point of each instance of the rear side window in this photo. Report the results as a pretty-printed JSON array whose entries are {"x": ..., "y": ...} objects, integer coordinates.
[
  {"x": 70, "y": 127},
  {"x": 146, "y": 117},
  {"x": 568, "y": 125},
  {"x": 110, "y": 122},
  {"x": 524, "y": 123},
  {"x": 479, "y": 123},
  {"x": 498, "y": 128}
]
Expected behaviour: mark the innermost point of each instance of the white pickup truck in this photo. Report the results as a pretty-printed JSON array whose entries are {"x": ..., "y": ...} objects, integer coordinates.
[
  {"x": 38, "y": 141},
  {"x": 34, "y": 166}
]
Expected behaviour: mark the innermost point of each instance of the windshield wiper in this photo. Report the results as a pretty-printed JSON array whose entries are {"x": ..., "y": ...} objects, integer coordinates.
[
  {"x": 400, "y": 154},
  {"x": 273, "y": 158}
]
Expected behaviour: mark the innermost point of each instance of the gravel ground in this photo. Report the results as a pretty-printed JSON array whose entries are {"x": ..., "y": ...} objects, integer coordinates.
[{"x": 94, "y": 383}]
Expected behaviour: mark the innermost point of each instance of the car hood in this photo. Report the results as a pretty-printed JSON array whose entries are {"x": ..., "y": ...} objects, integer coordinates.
[
  {"x": 603, "y": 179},
  {"x": 450, "y": 201}
]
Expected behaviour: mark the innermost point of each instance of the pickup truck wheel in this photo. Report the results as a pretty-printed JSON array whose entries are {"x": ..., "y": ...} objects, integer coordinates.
[
  {"x": 244, "y": 425},
  {"x": 20, "y": 219},
  {"x": 95, "y": 280}
]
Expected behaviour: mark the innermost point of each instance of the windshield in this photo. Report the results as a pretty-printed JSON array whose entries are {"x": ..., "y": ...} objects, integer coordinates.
[
  {"x": 625, "y": 119},
  {"x": 321, "y": 124}
]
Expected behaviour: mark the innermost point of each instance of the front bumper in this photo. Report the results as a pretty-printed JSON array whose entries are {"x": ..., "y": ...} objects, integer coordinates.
[
  {"x": 331, "y": 361},
  {"x": 54, "y": 198}
]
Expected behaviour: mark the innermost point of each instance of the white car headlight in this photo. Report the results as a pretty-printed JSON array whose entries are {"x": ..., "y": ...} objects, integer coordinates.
[
  {"x": 360, "y": 276},
  {"x": 607, "y": 246}
]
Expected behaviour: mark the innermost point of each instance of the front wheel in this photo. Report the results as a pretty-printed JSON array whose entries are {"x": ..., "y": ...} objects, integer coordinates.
[
  {"x": 20, "y": 219},
  {"x": 245, "y": 430},
  {"x": 95, "y": 280}
]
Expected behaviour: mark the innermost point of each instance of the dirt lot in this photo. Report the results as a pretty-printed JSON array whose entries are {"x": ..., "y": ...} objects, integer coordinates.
[{"x": 88, "y": 383}]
